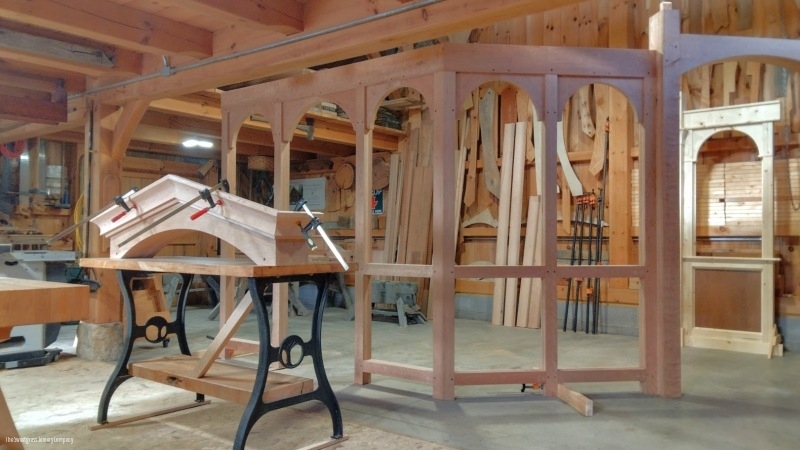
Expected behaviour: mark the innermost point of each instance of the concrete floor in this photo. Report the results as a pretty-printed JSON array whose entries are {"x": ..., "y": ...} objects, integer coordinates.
[{"x": 730, "y": 400}]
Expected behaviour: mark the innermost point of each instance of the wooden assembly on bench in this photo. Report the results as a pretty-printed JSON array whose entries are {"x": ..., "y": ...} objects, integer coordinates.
[{"x": 277, "y": 240}]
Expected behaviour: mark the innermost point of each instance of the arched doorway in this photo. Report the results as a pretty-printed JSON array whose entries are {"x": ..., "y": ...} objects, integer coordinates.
[{"x": 755, "y": 275}]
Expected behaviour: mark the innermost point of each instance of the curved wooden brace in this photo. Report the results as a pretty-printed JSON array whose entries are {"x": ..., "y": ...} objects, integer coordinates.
[
  {"x": 377, "y": 93},
  {"x": 126, "y": 124},
  {"x": 719, "y": 48},
  {"x": 575, "y": 186},
  {"x": 294, "y": 110}
]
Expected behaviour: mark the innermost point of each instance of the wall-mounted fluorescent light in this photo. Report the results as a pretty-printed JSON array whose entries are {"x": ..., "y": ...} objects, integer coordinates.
[{"x": 191, "y": 143}]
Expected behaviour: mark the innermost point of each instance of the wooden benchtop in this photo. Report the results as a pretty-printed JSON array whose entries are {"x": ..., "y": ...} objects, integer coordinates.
[
  {"x": 27, "y": 302},
  {"x": 236, "y": 267}
]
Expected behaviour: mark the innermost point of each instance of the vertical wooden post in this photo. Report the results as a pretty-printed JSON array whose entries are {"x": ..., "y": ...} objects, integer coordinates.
[
  {"x": 282, "y": 136},
  {"x": 768, "y": 235},
  {"x": 105, "y": 305},
  {"x": 363, "y": 304},
  {"x": 548, "y": 160},
  {"x": 688, "y": 157},
  {"x": 444, "y": 222},
  {"x": 228, "y": 170},
  {"x": 661, "y": 296}
]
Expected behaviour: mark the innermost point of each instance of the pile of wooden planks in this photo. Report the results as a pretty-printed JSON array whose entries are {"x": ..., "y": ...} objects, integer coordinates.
[
  {"x": 410, "y": 200},
  {"x": 498, "y": 193},
  {"x": 510, "y": 306}
]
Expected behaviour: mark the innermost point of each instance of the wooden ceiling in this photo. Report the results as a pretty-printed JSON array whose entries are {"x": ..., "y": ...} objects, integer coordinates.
[{"x": 57, "y": 54}]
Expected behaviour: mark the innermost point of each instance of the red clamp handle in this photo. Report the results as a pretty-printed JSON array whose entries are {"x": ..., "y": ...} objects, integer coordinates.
[
  {"x": 204, "y": 210},
  {"x": 121, "y": 214}
]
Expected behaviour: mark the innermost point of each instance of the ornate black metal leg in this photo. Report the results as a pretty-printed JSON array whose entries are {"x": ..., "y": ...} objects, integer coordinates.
[
  {"x": 267, "y": 355},
  {"x": 324, "y": 391},
  {"x": 255, "y": 407},
  {"x": 120, "y": 373},
  {"x": 180, "y": 322},
  {"x": 133, "y": 331},
  {"x": 180, "y": 314}
]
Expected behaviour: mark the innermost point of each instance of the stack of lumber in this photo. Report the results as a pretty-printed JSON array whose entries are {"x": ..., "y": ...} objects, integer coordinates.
[
  {"x": 511, "y": 307},
  {"x": 410, "y": 201},
  {"x": 496, "y": 191}
]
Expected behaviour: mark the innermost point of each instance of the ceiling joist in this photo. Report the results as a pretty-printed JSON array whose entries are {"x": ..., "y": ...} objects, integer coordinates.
[
  {"x": 112, "y": 23},
  {"x": 32, "y": 110},
  {"x": 51, "y": 48},
  {"x": 41, "y": 51},
  {"x": 38, "y": 78},
  {"x": 76, "y": 117},
  {"x": 282, "y": 16}
]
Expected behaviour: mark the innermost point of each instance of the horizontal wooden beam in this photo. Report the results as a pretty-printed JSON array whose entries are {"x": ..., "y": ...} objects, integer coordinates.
[
  {"x": 283, "y": 16},
  {"x": 109, "y": 22},
  {"x": 53, "y": 53},
  {"x": 36, "y": 77},
  {"x": 432, "y": 21},
  {"x": 13, "y": 91},
  {"x": 32, "y": 110}
]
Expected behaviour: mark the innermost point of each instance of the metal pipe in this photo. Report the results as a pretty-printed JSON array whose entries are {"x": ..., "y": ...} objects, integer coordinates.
[{"x": 272, "y": 45}]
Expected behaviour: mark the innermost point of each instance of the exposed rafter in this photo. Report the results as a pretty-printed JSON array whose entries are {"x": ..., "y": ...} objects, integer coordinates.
[
  {"x": 51, "y": 48},
  {"x": 283, "y": 16},
  {"x": 39, "y": 78},
  {"x": 115, "y": 24},
  {"x": 56, "y": 54},
  {"x": 32, "y": 109},
  {"x": 76, "y": 116}
]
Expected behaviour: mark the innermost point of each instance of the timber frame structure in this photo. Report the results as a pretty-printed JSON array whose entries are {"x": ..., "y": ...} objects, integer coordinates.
[{"x": 445, "y": 75}]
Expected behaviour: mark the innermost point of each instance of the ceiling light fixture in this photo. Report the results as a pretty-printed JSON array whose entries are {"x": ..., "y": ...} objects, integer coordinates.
[{"x": 192, "y": 143}]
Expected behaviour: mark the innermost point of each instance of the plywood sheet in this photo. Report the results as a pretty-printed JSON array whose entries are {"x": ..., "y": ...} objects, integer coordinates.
[{"x": 728, "y": 300}]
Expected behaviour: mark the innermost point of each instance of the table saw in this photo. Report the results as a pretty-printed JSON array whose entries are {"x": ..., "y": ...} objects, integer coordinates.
[{"x": 27, "y": 257}]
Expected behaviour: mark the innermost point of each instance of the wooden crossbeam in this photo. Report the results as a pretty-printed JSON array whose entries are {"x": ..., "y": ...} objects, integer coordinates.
[
  {"x": 116, "y": 24},
  {"x": 32, "y": 110}
]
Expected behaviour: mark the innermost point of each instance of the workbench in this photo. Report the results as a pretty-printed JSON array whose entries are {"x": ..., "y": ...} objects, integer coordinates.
[
  {"x": 260, "y": 389},
  {"x": 28, "y": 302}
]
